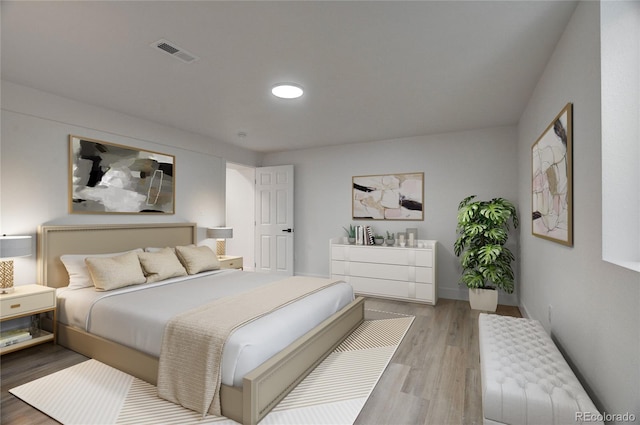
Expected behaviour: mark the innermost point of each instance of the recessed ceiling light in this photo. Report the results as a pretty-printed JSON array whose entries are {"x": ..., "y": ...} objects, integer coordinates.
[{"x": 287, "y": 90}]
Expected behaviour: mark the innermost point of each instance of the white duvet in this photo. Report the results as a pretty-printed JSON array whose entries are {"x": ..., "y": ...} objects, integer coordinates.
[{"x": 136, "y": 316}]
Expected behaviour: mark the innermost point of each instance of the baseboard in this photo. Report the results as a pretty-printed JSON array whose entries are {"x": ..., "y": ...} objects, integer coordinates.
[{"x": 524, "y": 311}]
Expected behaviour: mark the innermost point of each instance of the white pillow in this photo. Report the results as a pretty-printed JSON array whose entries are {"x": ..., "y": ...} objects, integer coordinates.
[
  {"x": 160, "y": 265},
  {"x": 197, "y": 259},
  {"x": 79, "y": 276},
  {"x": 109, "y": 273}
]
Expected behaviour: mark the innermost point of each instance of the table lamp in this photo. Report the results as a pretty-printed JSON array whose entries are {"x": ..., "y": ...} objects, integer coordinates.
[
  {"x": 11, "y": 247},
  {"x": 220, "y": 234}
]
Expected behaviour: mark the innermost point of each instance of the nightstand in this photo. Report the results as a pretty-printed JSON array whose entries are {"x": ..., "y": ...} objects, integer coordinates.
[
  {"x": 230, "y": 262},
  {"x": 26, "y": 301}
]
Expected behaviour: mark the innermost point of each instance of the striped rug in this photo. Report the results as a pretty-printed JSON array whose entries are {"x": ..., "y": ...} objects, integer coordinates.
[{"x": 334, "y": 393}]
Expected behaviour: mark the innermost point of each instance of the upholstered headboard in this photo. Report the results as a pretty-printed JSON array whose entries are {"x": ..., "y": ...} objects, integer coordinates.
[{"x": 54, "y": 241}]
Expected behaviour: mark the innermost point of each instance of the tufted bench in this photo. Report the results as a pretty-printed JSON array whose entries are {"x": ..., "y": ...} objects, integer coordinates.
[{"x": 525, "y": 379}]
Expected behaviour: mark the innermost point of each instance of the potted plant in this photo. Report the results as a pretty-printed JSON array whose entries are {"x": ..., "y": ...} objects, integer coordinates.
[
  {"x": 378, "y": 239},
  {"x": 483, "y": 230},
  {"x": 390, "y": 239},
  {"x": 351, "y": 233}
]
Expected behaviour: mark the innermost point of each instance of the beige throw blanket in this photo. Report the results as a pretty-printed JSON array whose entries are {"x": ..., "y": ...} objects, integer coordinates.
[{"x": 189, "y": 373}]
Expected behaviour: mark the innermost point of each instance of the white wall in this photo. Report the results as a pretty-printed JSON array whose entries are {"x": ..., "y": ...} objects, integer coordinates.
[
  {"x": 620, "y": 64},
  {"x": 595, "y": 315},
  {"x": 240, "y": 203},
  {"x": 35, "y": 161},
  {"x": 455, "y": 165}
]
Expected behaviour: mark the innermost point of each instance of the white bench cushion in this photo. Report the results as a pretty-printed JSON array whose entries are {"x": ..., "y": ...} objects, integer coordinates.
[{"x": 525, "y": 379}]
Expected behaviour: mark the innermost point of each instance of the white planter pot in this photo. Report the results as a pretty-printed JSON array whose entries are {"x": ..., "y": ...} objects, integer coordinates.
[{"x": 483, "y": 299}]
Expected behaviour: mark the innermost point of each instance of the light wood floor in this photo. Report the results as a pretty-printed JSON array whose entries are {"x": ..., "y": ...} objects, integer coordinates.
[{"x": 434, "y": 377}]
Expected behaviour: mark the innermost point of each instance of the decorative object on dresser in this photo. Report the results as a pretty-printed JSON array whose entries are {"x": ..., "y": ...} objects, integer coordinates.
[
  {"x": 20, "y": 316},
  {"x": 552, "y": 180},
  {"x": 110, "y": 178},
  {"x": 351, "y": 233},
  {"x": 388, "y": 197},
  {"x": 390, "y": 239},
  {"x": 220, "y": 234},
  {"x": 11, "y": 247},
  {"x": 412, "y": 236},
  {"x": 483, "y": 231},
  {"x": 388, "y": 272}
]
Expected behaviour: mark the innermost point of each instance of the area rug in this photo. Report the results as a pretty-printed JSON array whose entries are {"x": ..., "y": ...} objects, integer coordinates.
[{"x": 334, "y": 393}]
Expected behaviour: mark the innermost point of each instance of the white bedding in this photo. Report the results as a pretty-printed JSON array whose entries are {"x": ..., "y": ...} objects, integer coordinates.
[{"x": 136, "y": 316}]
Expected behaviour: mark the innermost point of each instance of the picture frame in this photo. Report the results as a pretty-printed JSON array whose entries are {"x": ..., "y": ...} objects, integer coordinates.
[
  {"x": 552, "y": 180},
  {"x": 108, "y": 178},
  {"x": 388, "y": 197}
]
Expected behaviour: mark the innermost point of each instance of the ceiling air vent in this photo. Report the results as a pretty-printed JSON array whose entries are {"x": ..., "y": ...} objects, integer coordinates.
[{"x": 175, "y": 51}]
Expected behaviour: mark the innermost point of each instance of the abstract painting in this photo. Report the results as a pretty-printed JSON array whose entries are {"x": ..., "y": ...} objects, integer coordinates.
[
  {"x": 551, "y": 203},
  {"x": 109, "y": 178},
  {"x": 388, "y": 197}
]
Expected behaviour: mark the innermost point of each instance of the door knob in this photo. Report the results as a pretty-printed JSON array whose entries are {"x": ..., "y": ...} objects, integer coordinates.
[{"x": 288, "y": 230}]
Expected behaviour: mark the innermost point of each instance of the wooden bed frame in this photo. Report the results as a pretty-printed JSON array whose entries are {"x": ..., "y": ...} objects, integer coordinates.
[{"x": 262, "y": 388}]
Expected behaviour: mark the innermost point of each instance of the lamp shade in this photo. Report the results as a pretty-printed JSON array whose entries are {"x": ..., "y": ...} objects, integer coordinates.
[
  {"x": 220, "y": 233},
  {"x": 15, "y": 246}
]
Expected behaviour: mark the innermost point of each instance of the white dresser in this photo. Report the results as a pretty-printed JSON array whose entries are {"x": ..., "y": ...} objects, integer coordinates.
[{"x": 387, "y": 271}]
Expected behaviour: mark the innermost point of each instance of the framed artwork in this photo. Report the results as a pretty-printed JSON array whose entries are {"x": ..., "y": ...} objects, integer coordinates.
[
  {"x": 106, "y": 178},
  {"x": 552, "y": 180},
  {"x": 388, "y": 197}
]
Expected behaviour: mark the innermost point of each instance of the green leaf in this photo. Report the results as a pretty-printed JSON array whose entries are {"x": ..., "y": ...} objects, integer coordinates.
[
  {"x": 497, "y": 234},
  {"x": 473, "y": 279},
  {"x": 469, "y": 259},
  {"x": 475, "y": 229},
  {"x": 465, "y": 201},
  {"x": 489, "y": 253}
]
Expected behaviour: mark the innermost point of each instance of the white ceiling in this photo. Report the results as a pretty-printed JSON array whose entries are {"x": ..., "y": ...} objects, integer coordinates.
[{"x": 371, "y": 70}]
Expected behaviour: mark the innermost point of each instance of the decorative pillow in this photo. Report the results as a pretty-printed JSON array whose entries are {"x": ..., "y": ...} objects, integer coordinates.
[
  {"x": 156, "y": 249},
  {"x": 79, "y": 276},
  {"x": 197, "y": 259},
  {"x": 110, "y": 273},
  {"x": 161, "y": 265}
]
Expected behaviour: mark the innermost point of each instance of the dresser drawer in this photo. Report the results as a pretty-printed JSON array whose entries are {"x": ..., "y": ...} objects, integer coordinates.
[
  {"x": 424, "y": 274},
  {"x": 380, "y": 271},
  {"x": 339, "y": 252},
  {"x": 229, "y": 262},
  {"x": 424, "y": 258},
  {"x": 384, "y": 287},
  {"x": 17, "y": 306},
  {"x": 425, "y": 292},
  {"x": 233, "y": 264}
]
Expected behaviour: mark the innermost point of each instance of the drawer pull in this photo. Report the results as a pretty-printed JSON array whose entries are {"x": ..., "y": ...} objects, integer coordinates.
[{"x": 15, "y": 306}]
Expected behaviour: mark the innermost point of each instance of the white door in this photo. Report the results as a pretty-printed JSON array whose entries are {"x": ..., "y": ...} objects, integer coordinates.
[{"x": 274, "y": 219}]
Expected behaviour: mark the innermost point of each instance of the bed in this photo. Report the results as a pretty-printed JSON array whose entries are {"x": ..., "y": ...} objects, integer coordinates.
[{"x": 246, "y": 397}]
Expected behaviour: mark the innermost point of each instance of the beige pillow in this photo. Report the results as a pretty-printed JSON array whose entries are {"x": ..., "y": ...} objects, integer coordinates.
[
  {"x": 160, "y": 265},
  {"x": 110, "y": 273},
  {"x": 79, "y": 276},
  {"x": 197, "y": 259}
]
